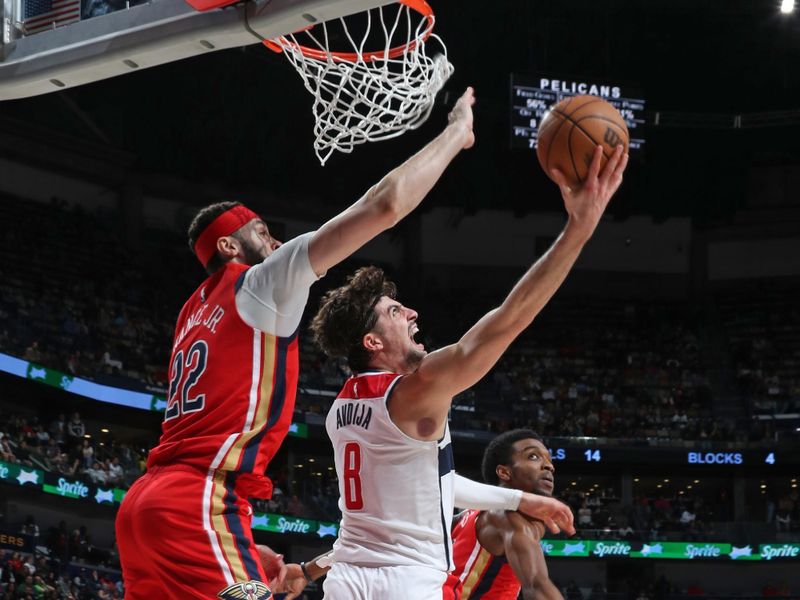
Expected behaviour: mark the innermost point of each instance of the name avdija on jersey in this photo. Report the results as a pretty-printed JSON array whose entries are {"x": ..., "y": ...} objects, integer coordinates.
[
  {"x": 353, "y": 413},
  {"x": 196, "y": 318}
]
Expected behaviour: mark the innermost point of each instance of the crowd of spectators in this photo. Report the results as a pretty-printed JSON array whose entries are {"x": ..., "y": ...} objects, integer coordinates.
[
  {"x": 600, "y": 514},
  {"x": 75, "y": 299},
  {"x": 762, "y": 322},
  {"x": 63, "y": 446},
  {"x": 64, "y": 565},
  {"x": 783, "y": 512},
  {"x": 589, "y": 366}
]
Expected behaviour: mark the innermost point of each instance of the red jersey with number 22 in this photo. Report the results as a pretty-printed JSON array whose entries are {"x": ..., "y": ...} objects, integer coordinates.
[{"x": 234, "y": 369}]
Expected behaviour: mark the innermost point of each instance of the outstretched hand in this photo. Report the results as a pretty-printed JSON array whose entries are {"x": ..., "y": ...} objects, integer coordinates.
[
  {"x": 292, "y": 583},
  {"x": 585, "y": 205},
  {"x": 555, "y": 515},
  {"x": 462, "y": 114}
]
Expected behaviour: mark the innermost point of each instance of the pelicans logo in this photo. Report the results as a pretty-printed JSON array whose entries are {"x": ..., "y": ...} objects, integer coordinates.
[{"x": 246, "y": 590}]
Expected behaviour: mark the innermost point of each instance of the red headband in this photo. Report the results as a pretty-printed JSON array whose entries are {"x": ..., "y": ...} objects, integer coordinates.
[{"x": 227, "y": 223}]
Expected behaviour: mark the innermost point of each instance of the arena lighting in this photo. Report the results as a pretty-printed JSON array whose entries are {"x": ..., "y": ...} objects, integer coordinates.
[
  {"x": 787, "y": 6},
  {"x": 104, "y": 430}
]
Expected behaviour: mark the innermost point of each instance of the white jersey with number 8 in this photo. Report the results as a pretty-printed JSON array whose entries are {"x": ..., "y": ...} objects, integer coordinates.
[{"x": 396, "y": 493}]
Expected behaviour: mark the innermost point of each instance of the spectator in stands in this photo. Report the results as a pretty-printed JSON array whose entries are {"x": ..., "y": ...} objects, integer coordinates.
[
  {"x": 296, "y": 507},
  {"x": 115, "y": 472},
  {"x": 65, "y": 467},
  {"x": 51, "y": 452},
  {"x": 30, "y": 527},
  {"x": 585, "y": 515},
  {"x": 75, "y": 428},
  {"x": 97, "y": 474},
  {"x": 23, "y": 453},
  {"x": 25, "y": 588},
  {"x": 32, "y": 353},
  {"x": 87, "y": 452},
  {"x": 6, "y": 451},
  {"x": 57, "y": 428},
  {"x": 111, "y": 364}
]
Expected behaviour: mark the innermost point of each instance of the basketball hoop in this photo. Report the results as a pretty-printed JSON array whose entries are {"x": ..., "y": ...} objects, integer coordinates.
[{"x": 369, "y": 95}]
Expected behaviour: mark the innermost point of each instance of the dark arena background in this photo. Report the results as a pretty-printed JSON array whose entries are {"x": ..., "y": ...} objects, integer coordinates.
[{"x": 664, "y": 375}]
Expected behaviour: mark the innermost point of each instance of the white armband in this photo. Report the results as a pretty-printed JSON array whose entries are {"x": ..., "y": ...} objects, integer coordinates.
[
  {"x": 479, "y": 496},
  {"x": 326, "y": 560}
]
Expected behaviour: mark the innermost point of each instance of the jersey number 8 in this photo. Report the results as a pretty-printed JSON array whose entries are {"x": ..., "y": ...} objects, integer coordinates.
[{"x": 353, "y": 500}]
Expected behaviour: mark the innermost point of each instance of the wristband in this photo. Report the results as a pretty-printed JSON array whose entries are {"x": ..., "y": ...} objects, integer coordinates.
[{"x": 305, "y": 572}]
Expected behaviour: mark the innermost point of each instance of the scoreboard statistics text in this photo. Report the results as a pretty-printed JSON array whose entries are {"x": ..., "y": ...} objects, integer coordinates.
[{"x": 533, "y": 95}]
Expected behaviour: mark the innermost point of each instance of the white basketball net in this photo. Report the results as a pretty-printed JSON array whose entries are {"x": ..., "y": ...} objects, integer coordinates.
[{"x": 371, "y": 95}]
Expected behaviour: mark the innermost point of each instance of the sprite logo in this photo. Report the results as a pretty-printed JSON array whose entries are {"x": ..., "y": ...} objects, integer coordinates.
[{"x": 602, "y": 549}]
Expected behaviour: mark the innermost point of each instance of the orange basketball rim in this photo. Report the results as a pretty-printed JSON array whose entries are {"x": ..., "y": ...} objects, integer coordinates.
[{"x": 420, "y": 6}]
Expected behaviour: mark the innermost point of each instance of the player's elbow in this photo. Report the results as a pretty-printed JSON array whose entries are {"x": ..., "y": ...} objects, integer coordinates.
[{"x": 388, "y": 199}]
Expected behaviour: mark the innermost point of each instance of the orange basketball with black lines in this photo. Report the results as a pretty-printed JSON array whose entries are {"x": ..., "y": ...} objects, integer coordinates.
[{"x": 569, "y": 132}]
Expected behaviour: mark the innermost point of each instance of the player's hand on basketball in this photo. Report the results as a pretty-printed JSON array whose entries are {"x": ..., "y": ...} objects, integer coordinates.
[
  {"x": 462, "y": 115},
  {"x": 585, "y": 205},
  {"x": 292, "y": 584},
  {"x": 555, "y": 515}
]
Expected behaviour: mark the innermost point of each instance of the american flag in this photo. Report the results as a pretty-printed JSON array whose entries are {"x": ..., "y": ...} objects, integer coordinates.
[{"x": 43, "y": 14}]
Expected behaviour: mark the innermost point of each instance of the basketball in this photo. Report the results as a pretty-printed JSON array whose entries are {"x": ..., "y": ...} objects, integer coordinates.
[{"x": 569, "y": 132}]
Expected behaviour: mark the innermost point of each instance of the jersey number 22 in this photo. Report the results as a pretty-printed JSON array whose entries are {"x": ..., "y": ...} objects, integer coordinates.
[{"x": 178, "y": 400}]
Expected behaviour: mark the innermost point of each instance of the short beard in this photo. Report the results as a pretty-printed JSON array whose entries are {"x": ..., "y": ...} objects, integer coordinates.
[
  {"x": 251, "y": 256},
  {"x": 414, "y": 358}
]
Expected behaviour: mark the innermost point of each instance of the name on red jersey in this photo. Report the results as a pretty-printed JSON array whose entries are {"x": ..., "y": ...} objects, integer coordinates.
[{"x": 196, "y": 318}]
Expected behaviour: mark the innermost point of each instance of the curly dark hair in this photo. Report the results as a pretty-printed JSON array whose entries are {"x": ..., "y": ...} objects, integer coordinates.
[
  {"x": 347, "y": 313},
  {"x": 498, "y": 452},
  {"x": 202, "y": 220}
]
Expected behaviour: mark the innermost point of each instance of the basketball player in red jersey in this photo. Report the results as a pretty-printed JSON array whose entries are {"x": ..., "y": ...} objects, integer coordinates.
[
  {"x": 183, "y": 529},
  {"x": 498, "y": 553},
  {"x": 388, "y": 426}
]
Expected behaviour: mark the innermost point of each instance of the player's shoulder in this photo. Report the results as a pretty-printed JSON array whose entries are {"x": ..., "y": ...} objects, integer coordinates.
[{"x": 368, "y": 385}]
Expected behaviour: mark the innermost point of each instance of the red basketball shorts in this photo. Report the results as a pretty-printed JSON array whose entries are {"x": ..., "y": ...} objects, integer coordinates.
[{"x": 183, "y": 534}]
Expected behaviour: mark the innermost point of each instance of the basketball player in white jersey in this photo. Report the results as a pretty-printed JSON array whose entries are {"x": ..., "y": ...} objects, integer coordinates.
[{"x": 389, "y": 424}]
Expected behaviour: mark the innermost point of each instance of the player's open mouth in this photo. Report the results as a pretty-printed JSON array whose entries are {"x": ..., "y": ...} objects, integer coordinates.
[
  {"x": 413, "y": 330},
  {"x": 547, "y": 482}
]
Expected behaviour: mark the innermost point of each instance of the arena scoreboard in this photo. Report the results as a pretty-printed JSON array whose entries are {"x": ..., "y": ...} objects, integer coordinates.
[
  {"x": 692, "y": 457},
  {"x": 533, "y": 95}
]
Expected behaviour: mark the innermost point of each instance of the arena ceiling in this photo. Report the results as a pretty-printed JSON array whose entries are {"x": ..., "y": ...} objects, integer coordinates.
[{"x": 243, "y": 117}]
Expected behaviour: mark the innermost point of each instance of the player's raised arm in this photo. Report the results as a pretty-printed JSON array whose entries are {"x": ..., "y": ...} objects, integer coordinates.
[
  {"x": 525, "y": 557},
  {"x": 427, "y": 393},
  {"x": 396, "y": 195}
]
